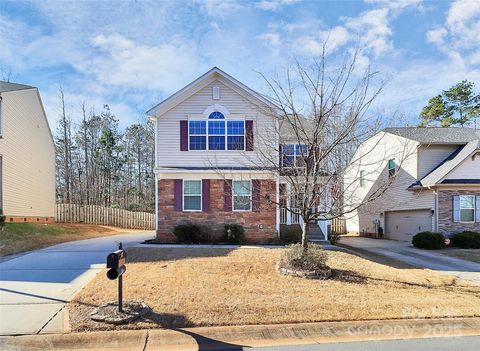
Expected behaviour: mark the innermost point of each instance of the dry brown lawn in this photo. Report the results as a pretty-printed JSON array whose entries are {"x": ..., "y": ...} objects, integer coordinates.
[
  {"x": 206, "y": 287},
  {"x": 21, "y": 237}
]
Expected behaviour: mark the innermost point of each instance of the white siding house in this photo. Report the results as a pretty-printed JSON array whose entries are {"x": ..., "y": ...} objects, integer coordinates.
[
  {"x": 433, "y": 168},
  {"x": 27, "y": 154}
]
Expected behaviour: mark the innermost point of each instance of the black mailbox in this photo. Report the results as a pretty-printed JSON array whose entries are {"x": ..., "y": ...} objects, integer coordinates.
[
  {"x": 116, "y": 262},
  {"x": 116, "y": 259}
]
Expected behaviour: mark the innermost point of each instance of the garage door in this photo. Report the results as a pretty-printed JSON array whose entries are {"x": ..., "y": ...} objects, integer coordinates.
[{"x": 403, "y": 225}]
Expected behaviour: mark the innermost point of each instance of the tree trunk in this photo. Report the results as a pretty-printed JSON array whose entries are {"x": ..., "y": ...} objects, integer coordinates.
[{"x": 305, "y": 235}]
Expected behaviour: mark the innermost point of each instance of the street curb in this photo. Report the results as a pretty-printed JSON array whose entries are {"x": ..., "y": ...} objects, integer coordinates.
[{"x": 236, "y": 337}]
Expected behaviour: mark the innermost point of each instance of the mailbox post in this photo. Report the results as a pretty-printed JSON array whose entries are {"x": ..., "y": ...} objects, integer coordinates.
[{"x": 116, "y": 264}]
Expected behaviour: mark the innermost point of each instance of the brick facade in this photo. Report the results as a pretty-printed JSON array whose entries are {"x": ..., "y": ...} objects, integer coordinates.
[
  {"x": 216, "y": 217},
  {"x": 446, "y": 225}
]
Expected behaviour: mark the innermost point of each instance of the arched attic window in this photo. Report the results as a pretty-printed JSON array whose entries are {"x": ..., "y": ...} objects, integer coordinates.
[{"x": 216, "y": 115}]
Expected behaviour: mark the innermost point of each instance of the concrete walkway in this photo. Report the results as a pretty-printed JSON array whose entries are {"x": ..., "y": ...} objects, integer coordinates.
[
  {"x": 35, "y": 287},
  {"x": 405, "y": 252},
  {"x": 241, "y": 338}
]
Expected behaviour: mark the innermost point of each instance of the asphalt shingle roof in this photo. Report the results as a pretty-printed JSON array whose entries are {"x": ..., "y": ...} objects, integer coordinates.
[
  {"x": 437, "y": 135},
  {"x": 9, "y": 86}
]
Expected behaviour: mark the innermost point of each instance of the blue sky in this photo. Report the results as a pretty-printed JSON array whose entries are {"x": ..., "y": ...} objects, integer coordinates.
[{"x": 133, "y": 54}]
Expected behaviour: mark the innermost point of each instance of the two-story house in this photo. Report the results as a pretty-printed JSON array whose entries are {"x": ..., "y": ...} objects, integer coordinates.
[
  {"x": 27, "y": 156},
  {"x": 426, "y": 179},
  {"x": 212, "y": 139}
]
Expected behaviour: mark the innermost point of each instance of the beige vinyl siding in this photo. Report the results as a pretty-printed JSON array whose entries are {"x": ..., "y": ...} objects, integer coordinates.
[
  {"x": 28, "y": 156},
  {"x": 430, "y": 156},
  {"x": 468, "y": 169},
  {"x": 376, "y": 152},
  {"x": 168, "y": 129}
]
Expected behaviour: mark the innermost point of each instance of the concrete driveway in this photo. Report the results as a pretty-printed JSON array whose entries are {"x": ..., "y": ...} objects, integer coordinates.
[
  {"x": 35, "y": 287},
  {"x": 406, "y": 253}
]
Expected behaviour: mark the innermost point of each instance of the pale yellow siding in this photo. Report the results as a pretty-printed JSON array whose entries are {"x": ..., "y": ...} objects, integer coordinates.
[
  {"x": 28, "y": 156},
  {"x": 168, "y": 130},
  {"x": 372, "y": 158},
  {"x": 430, "y": 156}
]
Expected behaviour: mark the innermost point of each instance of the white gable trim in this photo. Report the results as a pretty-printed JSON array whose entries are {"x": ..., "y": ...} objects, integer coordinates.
[
  {"x": 216, "y": 107},
  {"x": 200, "y": 83}
]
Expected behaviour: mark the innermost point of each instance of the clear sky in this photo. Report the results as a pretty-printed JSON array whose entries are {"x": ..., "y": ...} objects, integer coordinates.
[{"x": 133, "y": 54}]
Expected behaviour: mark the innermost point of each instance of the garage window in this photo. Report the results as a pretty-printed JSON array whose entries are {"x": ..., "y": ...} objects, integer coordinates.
[{"x": 467, "y": 208}]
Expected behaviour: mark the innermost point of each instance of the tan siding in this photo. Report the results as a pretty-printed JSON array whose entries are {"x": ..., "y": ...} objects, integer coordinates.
[
  {"x": 430, "y": 156},
  {"x": 376, "y": 153},
  {"x": 168, "y": 130},
  {"x": 468, "y": 169},
  {"x": 28, "y": 156}
]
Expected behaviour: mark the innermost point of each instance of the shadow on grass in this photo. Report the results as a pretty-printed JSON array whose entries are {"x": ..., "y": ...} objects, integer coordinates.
[
  {"x": 347, "y": 276},
  {"x": 142, "y": 255}
]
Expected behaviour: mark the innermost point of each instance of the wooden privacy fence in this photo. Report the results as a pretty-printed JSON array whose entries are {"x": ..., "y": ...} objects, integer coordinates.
[
  {"x": 93, "y": 214},
  {"x": 339, "y": 225}
]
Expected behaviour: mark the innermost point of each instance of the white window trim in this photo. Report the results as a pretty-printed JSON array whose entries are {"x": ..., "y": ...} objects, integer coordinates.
[
  {"x": 295, "y": 155},
  {"x": 183, "y": 195},
  {"x": 362, "y": 178},
  {"x": 460, "y": 209},
  {"x": 233, "y": 196},
  {"x": 225, "y": 135}
]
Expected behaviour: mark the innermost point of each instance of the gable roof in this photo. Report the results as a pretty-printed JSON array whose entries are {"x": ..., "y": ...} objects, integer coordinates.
[
  {"x": 448, "y": 165},
  {"x": 197, "y": 84},
  {"x": 437, "y": 135},
  {"x": 9, "y": 86}
]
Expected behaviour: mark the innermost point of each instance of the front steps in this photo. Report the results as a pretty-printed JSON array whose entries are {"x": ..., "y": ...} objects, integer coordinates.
[{"x": 315, "y": 235}]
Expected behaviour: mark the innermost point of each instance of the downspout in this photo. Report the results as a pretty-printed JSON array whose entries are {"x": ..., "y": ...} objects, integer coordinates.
[{"x": 435, "y": 210}]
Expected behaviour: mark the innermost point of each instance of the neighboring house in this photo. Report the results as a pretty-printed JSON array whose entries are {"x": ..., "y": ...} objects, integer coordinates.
[
  {"x": 210, "y": 140},
  {"x": 429, "y": 180},
  {"x": 27, "y": 156}
]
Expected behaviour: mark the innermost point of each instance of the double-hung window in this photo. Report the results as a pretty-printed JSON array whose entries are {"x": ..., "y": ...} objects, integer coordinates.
[
  {"x": 192, "y": 195},
  {"x": 242, "y": 195},
  {"x": 198, "y": 135},
  {"x": 392, "y": 167},
  {"x": 215, "y": 133},
  {"x": 294, "y": 155},
  {"x": 467, "y": 208},
  {"x": 236, "y": 135}
]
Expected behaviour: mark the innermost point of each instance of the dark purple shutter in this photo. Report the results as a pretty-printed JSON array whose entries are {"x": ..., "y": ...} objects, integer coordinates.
[
  {"x": 178, "y": 194},
  {"x": 227, "y": 190},
  {"x": 183, "y": 135},
  {"x": 205, "y": 195},
  {"x": 249, "y": 135},
  {"x": 256, "y": 194}
]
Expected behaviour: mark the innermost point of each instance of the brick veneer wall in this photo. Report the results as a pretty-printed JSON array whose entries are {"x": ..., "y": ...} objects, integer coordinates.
[
  {"x": 446, "y": 225},
  {"x": 216, "y": 217}
]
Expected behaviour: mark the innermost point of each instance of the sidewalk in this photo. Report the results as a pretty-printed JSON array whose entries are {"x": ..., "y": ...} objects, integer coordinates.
[
  {"x": 239, "y": 337},
  {"x": 35, "y": 286}
]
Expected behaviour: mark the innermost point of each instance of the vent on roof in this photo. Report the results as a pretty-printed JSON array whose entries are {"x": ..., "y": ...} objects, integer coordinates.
[{"x": 216, "y": 93}]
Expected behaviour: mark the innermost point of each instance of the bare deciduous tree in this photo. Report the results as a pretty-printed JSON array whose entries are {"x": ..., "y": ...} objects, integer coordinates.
[{"x": 323, "y": 115}]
